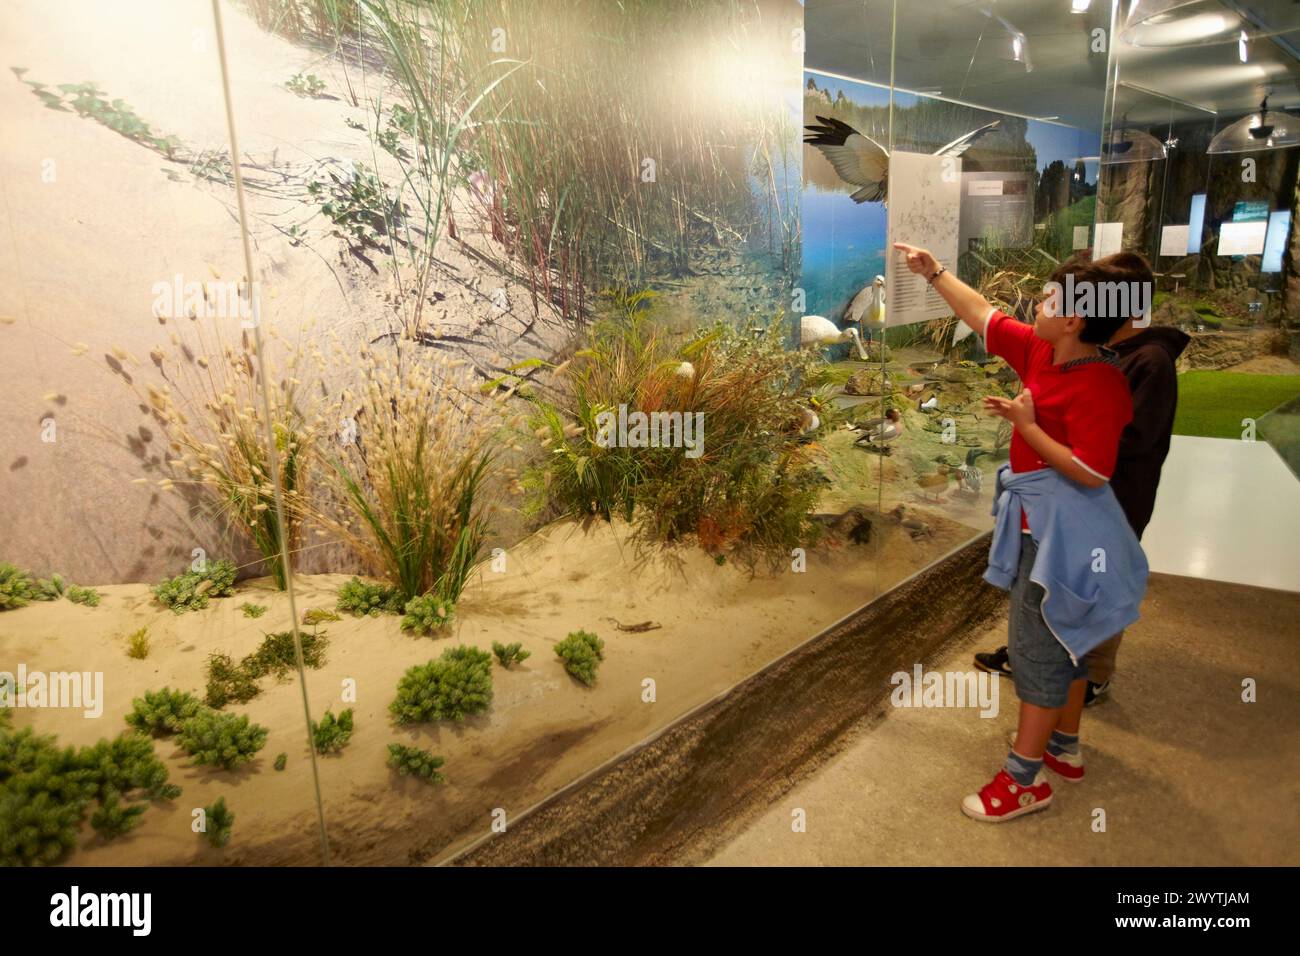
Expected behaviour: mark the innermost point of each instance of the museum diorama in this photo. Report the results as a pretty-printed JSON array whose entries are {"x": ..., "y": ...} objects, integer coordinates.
[{"x": 413, "y": 407}]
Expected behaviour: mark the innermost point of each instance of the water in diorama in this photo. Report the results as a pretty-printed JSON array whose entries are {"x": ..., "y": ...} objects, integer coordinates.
[{"x": 504, "y": 255}]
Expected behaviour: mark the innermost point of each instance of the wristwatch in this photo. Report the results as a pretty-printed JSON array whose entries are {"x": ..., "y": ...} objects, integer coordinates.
[{"x": 942, "y": 270}]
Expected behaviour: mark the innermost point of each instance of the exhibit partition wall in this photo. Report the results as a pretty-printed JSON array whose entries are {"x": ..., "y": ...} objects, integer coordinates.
[{"x": 413, "y": 407}]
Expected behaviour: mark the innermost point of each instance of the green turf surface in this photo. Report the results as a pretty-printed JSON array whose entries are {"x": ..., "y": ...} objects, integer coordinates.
[{"x": 1213, "y": 404}]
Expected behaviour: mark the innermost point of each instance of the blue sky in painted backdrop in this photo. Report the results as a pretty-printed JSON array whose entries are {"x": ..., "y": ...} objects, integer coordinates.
[{"x": 844, "y": 243}]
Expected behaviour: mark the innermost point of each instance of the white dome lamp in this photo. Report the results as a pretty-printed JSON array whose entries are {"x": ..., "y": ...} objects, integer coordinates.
[{"x": 1258, "y": 131}]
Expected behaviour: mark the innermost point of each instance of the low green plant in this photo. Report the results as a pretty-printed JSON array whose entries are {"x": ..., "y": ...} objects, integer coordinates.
[
  {"x": 16, "y": 587},
  {"x": 221, "y": 740},
  {"x": 359, "y": 205},
  {"x": 314, "y": 616},
  {"x": 508, "y": 654},
  {"x": 457, "y": 684},
  {"x": 87, "y": 100},
  {"x": 86, "y": 596},
  {"x": 160, "y": 713},
  {"x": 307, "y": 85},
  {"x": 252, "y": 610},
  {"x": 217, "y": 823},
  {"x": 414, "y": 762},
  {"x": 332, "y": 733},
  {"x": 137, "y": 644},
  {"x": 581, "y": 653},
  {"x": 361, "y": 597},
  {"x": 281, "y": 760},
  {"x": 276, "y": 655},
  {"x": 426, "y": 614},
  {"x": 193, "y": 590},
  {"x": 228, "y": 681}
]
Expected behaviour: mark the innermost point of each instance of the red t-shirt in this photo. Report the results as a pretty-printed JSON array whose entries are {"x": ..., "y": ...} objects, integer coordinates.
[{"x": 1084, "y": 404}]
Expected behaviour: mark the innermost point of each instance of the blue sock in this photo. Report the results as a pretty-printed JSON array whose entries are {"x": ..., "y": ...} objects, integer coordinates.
[
  {"x": 1023, "y": 770},
  {"x": 1062, "y": 743}
]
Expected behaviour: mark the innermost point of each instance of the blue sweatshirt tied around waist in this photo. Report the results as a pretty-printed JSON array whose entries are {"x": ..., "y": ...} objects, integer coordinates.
[{"x": 1089, "y": 561}]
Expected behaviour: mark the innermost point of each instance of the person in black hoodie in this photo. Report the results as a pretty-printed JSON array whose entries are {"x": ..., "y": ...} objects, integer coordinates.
[{"x": 1147, "y": 357}]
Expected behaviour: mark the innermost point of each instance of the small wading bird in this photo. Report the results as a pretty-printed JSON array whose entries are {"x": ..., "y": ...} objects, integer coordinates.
[
  {"x": 862, "y": 162},
  {"x": 867, "y": 310},
  {"x": 818, "y": 332}
]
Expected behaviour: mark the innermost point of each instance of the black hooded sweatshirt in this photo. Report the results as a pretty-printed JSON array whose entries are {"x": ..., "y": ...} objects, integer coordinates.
[{"x": 1147, "y": 360}]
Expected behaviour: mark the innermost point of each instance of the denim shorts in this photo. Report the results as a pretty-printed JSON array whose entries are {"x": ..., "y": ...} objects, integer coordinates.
[{"x": 1040, "y": 664}]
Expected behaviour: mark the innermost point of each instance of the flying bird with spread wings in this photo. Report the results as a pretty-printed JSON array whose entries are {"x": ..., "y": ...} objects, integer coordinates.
[{"x": 862, "y": 162}]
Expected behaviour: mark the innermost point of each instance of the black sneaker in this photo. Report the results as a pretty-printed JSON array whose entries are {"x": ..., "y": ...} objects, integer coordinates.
[
  {"x": 1095, "y": 692},
  {"x": 996, "y": 663}
]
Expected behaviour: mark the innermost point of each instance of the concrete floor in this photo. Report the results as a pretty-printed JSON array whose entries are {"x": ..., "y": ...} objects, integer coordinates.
[{"x": 1186, "y": 773}]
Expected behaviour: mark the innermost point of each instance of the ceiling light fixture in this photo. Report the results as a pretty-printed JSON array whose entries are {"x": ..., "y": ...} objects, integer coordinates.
[
  {"x": 1242, "y": 51},
  {"x": 1176, "y": 23},
  {"x": 1258, "y": 131},
  {"x": 1080, "y": 6}
]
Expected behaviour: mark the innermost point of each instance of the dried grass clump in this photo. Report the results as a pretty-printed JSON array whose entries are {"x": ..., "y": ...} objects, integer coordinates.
[
  {"x": 408, "y": 492},
  {"x": 211, "y": 408}
]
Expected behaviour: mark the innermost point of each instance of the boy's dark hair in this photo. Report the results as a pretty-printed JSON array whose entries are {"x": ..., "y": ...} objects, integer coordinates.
[{"x": 1128, "y": 268}]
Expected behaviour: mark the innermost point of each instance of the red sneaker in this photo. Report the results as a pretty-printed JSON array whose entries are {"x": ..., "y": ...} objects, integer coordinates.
[
  {"x": 1066, "y": 766},
  {"x": 1003, "y": 798}
]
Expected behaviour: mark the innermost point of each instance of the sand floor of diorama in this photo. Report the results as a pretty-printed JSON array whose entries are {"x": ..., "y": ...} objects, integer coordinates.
[{"x": 543, "y": 730}]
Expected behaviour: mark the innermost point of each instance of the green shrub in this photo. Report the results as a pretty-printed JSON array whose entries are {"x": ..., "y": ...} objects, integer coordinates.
[
  {"x": 581, "y": 653},
  {"x": 113, "y": 818},
  {"x": 86, "y": 596},
  {"x": 45, "y": 791},
  {"x": 221, "y": 740},
  {"x": 125, "y": 764},
  {"x": 281, "y": 760},
  {"x": 160, "y": 713},
  {"x": 16, "y": 587},
  {"x": 252, "y": 610},
  {"x": 360, "y": 597},
  {"x": 750, "y": 491},
  {"x": 508, "y": 654},
  {"x": 50, "y": 589},
  {"x": 229, "y": 681},
  {"x": 217, "y": 823},
  {"x": 414, "y": 762},
  {"x": 137, "y": 644},
  {"x": 332, "y": 733},
  {"x": 449, "y": 688},
  {"x": 426, "y": 614},
  {"x": 193, "y": 590}
]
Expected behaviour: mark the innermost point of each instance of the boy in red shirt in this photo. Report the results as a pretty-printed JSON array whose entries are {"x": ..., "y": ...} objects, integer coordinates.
[{"x": 1069, "y": 415}]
